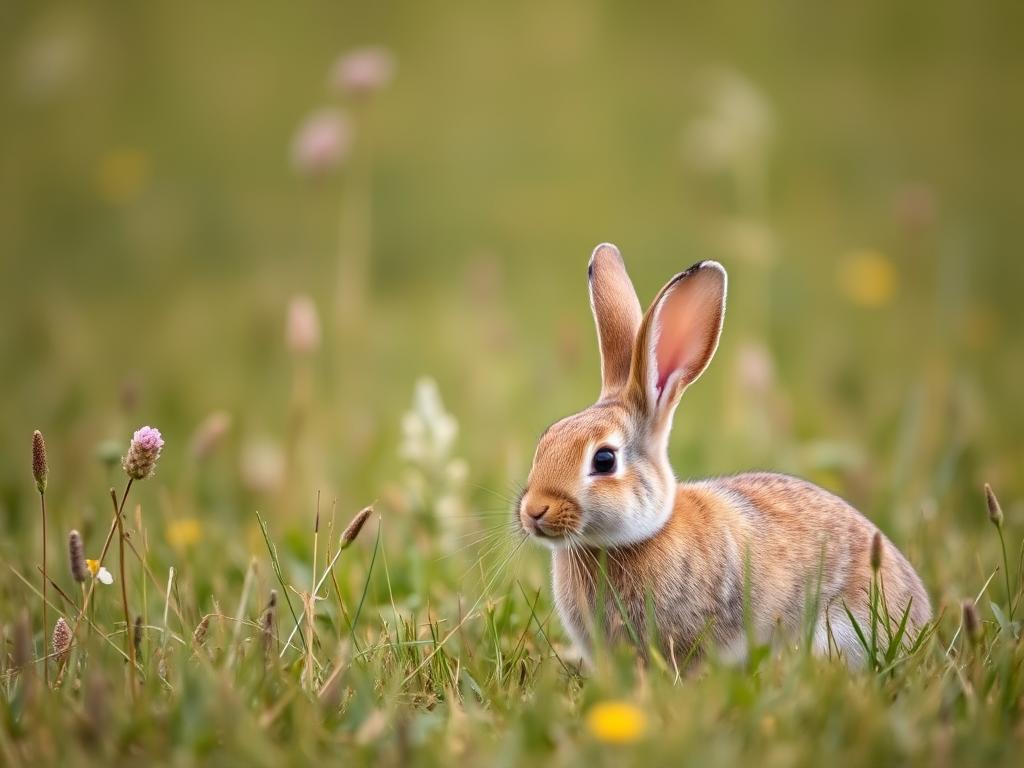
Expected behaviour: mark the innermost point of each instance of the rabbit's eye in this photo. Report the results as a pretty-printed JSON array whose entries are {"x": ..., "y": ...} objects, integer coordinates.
[{"x": 604, "y": 461}]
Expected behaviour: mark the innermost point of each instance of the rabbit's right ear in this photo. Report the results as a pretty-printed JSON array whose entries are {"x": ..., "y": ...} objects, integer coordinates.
[{"x": 617, "y": 315}]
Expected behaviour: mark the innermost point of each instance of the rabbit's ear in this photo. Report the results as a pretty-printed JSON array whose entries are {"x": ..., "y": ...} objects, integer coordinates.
[
  {"x": 678, "y": 338},
  {"x": 616, "y": 313}
]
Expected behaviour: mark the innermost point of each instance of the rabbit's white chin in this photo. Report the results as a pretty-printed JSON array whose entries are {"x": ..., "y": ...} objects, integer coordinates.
[{"x": 624, "y": 524}]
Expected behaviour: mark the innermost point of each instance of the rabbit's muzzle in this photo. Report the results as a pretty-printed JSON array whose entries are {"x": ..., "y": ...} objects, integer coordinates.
[{"x": 548, "y": 515}]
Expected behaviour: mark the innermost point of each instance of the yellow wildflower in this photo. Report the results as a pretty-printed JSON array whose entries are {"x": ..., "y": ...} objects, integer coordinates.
[
  {"x": 617, "y": 722},
  {"x": 867, "y": 278},
  {"x": 184, "y": 532},
  {"x": 99, "y": 572},
  {"x": 121, "y": 174}
]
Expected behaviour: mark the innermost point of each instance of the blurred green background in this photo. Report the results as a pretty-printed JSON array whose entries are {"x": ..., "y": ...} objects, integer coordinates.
[{"x": 856, "y": 168}]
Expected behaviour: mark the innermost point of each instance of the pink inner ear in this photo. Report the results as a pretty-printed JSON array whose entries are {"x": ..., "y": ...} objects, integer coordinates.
[{"x": 688, "y": 324}]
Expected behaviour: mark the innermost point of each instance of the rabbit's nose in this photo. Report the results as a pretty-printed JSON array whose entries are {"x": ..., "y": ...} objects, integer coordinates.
[{"x": 537, "y": 512}]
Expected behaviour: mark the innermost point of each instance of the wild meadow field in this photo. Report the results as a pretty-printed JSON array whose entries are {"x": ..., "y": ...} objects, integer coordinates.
[{"x": 290, "y": 293}]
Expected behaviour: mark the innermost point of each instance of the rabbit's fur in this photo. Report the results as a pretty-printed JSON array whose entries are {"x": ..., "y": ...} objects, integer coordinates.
[{"x": 691, "y": 556}]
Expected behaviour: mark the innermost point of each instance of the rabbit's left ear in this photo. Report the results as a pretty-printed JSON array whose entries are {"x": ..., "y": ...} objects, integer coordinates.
[
  {"x": 678, "y": 338},
  {"x": 616, "y": 314}
]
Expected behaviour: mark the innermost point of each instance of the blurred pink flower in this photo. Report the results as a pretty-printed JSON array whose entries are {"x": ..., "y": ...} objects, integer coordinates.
[
  {"x": 209, "y": 434},
  {"x": 363, "y": 71},
  {"x": 755, "y": 368},
  {"x": 303, "y": 329},
  {"x": 322, "y": 142}
]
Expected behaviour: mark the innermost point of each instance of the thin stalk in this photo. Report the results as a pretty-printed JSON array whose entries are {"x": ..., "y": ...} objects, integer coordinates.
[
  {"x": 128, "y": 640},
  {"x": 316, "y": 591},
  {"x": 1006, "y": 572},
  {"x": 167, "y": 606},
  {"x": 103, "y": 554},
  {"x": 46, "y": 625},
  {"x": 250, "y": 573}
]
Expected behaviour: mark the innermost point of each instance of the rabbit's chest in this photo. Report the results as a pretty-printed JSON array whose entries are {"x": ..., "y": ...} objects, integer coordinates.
[{"x": 626, "y": 602}]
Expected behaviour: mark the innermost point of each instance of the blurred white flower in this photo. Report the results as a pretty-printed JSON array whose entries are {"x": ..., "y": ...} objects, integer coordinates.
[
  {"x": 262, "y": 465},
  {"x": 428, "y": 431},
  {"x": 435, "y": 481},
  {"x": 53, "y": 55},
  {"x": 363, "y": 71},
  {"x": 748, "y": 239},
  {"x": 303, "y": 327},
  {"x": 736, "y": 127},
  {"x": 322, "y": 142}
]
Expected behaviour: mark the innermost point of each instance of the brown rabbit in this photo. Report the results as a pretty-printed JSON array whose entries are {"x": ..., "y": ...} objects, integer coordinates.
[{"x": 696, "y": 553}]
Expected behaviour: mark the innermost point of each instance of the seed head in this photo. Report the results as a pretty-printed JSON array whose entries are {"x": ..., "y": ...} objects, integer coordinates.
[
  {"x": 199, "y": 636},
  {"x": 137, "y": 637},
  {"x": 972, "y": 623},
  {"x": 876, "y": 551},
  {"x": 353, "y": 529},
  {"x": 267, "y": 625},
  {"x": 76, "y": 555},
  {"x": 995, "y": 512},
  {"x": 161, "y": 666},
  {"x": 143, "y": 453},
  {"x": 61, "y": 638},
  {"x": 39, "y": 465}
]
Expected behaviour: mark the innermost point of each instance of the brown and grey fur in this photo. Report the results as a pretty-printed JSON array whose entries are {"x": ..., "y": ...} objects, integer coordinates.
[{"x": 687, "y": 549}]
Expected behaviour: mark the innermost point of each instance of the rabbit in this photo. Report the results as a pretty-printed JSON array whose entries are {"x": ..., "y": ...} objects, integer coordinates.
[{"x": 696, "y": 557}]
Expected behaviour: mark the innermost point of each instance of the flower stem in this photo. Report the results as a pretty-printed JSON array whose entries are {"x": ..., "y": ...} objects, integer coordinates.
[
  {"x": 46, "y": 626},
  {"x": 129, "y": 645},
  {"x": 103, "y": 554},
  {"x": 1006, "y": 572}
]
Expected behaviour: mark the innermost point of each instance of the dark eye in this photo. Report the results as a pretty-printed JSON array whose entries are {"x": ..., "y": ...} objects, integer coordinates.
[{"x": 604, "y": 461}]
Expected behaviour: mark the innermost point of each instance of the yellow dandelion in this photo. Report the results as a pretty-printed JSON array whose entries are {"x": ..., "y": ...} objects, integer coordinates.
[
  {"x": 121, "y": 175},
  {"x": 617, "y": 722},
  {"x": 868, "y": 278},
  {"x": 184, "y": 533}
]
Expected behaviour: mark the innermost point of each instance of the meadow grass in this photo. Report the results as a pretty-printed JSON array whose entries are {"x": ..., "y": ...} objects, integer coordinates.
[
  {"x": 446, "y": 651},
  {"x": 855, "y": 168}
]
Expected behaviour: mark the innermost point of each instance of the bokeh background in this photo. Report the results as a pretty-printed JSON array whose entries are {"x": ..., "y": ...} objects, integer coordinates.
[{"x": 856, "y": 167}]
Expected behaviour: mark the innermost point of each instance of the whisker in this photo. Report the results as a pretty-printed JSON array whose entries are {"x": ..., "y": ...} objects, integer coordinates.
[
  {"x": 490, "y": 549},
  {"x": 483, "y": 538},
  {"x": 494, "y": 493}
]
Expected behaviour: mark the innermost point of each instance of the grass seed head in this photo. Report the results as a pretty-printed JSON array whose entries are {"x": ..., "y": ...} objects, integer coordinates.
[
  {"x": 995, "y": 512},
  {"x": 76, "y": 556},
  {"x": 876, "y": 551},
  {"x": 972, "y": 622},
  {"x": 39, "y": 466},
  {"x": 267, "y": 624},
  {"x": 61, "y": 639},
  {"x": 353, "y": 529},
  {"x": 137, "y": 637},
  {"x": 199, "y": 636}
]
